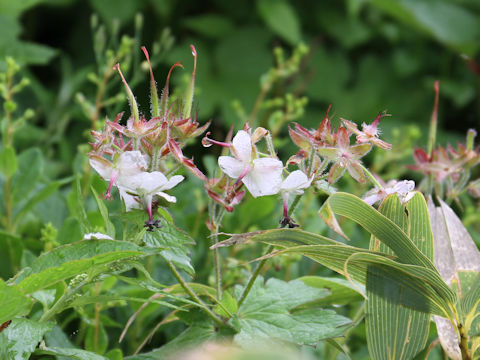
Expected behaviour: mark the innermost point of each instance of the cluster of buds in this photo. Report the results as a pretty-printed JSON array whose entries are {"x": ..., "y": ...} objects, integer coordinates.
[
  {"x": 138, "y": 157},
  {"x": 448, "y": 166},
  {"x": 323, "y": 147}
]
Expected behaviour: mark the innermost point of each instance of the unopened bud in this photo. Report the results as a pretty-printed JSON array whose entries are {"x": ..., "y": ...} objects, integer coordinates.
[
  {"x": 471, "y": 139},
  {"x": 259, "y": 134}
]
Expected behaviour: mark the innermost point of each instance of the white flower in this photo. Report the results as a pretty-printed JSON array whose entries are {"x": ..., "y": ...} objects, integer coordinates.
[
  {"x": 261, "y": 176},
  {"x": 295, "y": 183},
  {"x": 145, "y": 185},
  {"x": 403, "y": 188},
  {"x": 127, "y": 164},
  {"x": 97, "y": 236}
]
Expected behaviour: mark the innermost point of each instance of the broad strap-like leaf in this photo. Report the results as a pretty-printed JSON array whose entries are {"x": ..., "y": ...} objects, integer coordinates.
[
  {"x": 393, "y": 330},
  {"x": 436, "y": 297},
  {"x": 458, "y": 261},
  {"x": 384, "y": 229}
]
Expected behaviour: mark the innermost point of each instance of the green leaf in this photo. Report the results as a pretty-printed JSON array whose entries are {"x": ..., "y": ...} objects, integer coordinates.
[
  {"x": 69, "y": 353},
  {"x": 175, "y": 241},
  {"x": 96, "y": 341},
  {"x": 77, "y": 207},
  {"x": 13, "y": 302},
  {"x": 432, "y": 295},
  {"x": 211, "y": 25},
  {"x": 89, "y": 257},
  {"x": 394, "y": 331},
  {"x": 8, "y": 161},
  {"x": 458, "y": 261},
  {"x": 23, "y": 336},
  {"x": 26, "y": 206},
  {"x": 30, "y": 168},
  {"x": 267, "y": 315},
  {"x": 375, "y": 223},
  {"x": 446, "y": 22},
  {"x": 110, "y": 229},
  {"x": 342, "y": 292},
  {"x": 281, "y": 18},
  {"x": 191, "y": 337}
]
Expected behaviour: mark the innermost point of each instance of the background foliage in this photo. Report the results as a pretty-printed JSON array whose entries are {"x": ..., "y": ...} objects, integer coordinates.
[{"x": 365, "y": 56}]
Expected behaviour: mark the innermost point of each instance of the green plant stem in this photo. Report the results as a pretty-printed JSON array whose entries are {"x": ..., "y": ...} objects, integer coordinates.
[
  {"x": 371, "y": 177},
  {"x": 260, "y": 266},
  {"x": 57, "y": 307},
  {"x": 253, "y": 278},
  {"x": 216, "y": 218},
  {"x": 193, "y": 295}
]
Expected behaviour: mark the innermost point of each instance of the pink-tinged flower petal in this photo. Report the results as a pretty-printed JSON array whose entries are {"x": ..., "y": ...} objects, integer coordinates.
[
  {"x": 231, "y": 166},
  {"x": 343, "y": 140},
  {"x": 356, "y": 171},
  {"x": 330, "y": 153},
  {"x": 242, "y": 146},
  {"x": 167, "y": 197},
  {"x": 295, "y": 183},
  {"x": 359, "y": 151},
  {"x": 131, "y": 202},
  {"x": 351, "y": 126},
  {"x": 335, "y": 173},
  {"x": 102, "y": 166},
  {"x": 381, "y": 144},
  {"x": 265, "y": 178}
]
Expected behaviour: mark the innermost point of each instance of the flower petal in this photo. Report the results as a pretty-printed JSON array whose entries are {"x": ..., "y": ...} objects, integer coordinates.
[
  {"x": 242, "y": 146},
  {"x": 231, "y": 166},
  {"x": 174, "y": 181},
  {"x": 295, "y": 182},
  {"x": 102, "y": 166},
  {"x": 97, "y": 236},
  {"x": 336, "y": 172},
  {"x": 265, "y": 178},
  {"x": 167, "y": 197},
  {"x": 131, "y": 202},
  {"x": 132, "y": 162}
]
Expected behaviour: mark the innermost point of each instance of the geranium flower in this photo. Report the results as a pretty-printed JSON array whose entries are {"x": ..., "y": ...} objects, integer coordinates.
[
  {"x": 145, "y": 186},
  {"x": 345, "y": 157},
  {"x": 403, "y": 188},
  {"x": 369, "y": 133},
  {"x": 261, "y": 176},
  {"x": 127, "y": 164},
  {"x": 294, "y": 184}
]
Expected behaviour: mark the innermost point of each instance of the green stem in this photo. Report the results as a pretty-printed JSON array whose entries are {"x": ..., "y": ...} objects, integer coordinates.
[
  {"x": 253, "y": 278},
  {"x": 262, "y": 263},
  {"x": 370, "y": 176},
  {"x": 193, "y": 295},
  {"x": 218, "y": 273}
]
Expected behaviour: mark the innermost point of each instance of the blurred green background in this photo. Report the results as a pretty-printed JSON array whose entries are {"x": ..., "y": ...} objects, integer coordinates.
[{"x": 365, "y": 56}]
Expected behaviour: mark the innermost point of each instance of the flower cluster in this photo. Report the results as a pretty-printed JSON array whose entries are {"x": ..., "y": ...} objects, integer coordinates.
[
  {"x": 264, "y": 174},
  {"x": 139, "y": 157},
  {"x": 448, "y": 166},
  {"x": 329, "y": 147}
]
